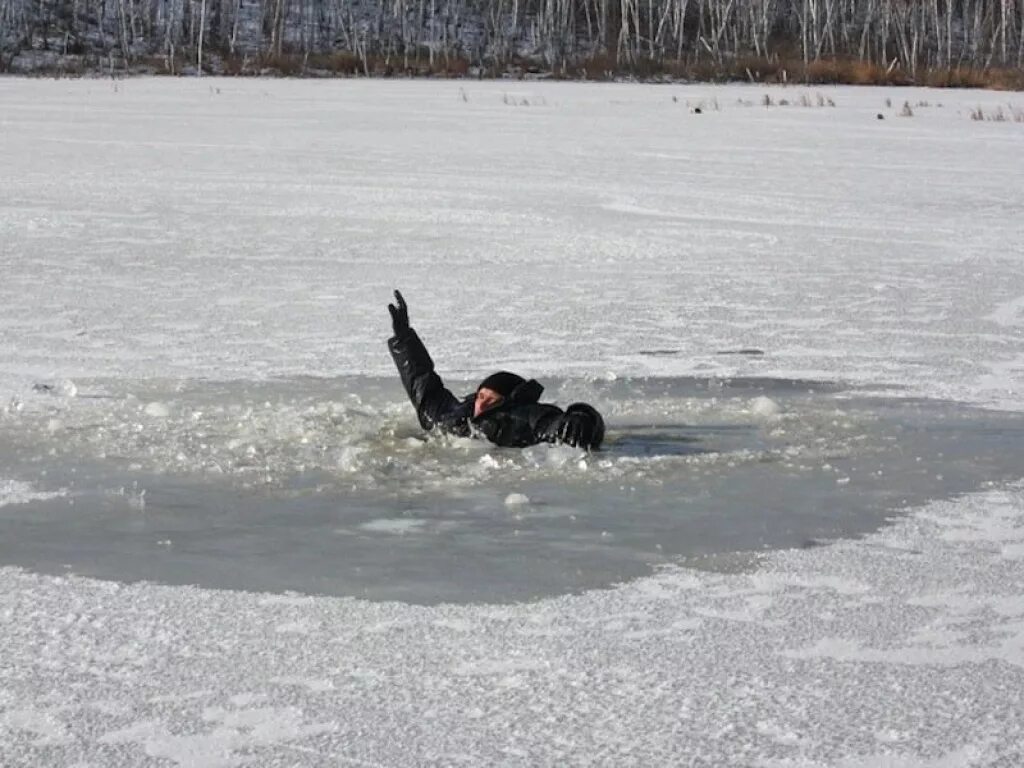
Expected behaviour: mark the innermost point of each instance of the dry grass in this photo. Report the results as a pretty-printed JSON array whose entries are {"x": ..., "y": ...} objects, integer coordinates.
[
  {"x": 538, "y": 101},
  {"x": 785, "y": 68},
  {"x": 342, "y": 64},
  {"x": 845, "y": 71},
  {"x": 803, "y": 99},
  {"x": 994, "y": 79},
  {"x": 703, "y": 105},
  {"x": 999, "y": 115},
  {"x": 599, "y": 67}
]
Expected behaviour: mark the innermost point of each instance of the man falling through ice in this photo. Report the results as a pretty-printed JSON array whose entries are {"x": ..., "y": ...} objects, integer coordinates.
[{"x": 504, "y": 408}]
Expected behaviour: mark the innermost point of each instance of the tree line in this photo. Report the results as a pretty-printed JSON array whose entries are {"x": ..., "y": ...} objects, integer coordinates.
[{"x": 750, "y": 38}]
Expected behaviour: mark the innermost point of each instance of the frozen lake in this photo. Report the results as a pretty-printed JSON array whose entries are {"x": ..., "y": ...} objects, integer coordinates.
[{"x": 809, "y": 556}]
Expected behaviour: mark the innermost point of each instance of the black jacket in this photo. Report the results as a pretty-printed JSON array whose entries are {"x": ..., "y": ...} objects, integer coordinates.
[{"x": 518, "y": 421}]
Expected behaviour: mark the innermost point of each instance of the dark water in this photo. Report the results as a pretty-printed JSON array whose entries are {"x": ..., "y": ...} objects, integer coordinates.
[{"x": 327, "y": 486}]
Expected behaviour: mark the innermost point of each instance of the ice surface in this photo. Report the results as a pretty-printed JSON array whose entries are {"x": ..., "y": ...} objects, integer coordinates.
[
  {"x": 235, "y": 231},
  {"x": 902, "y": 648}
]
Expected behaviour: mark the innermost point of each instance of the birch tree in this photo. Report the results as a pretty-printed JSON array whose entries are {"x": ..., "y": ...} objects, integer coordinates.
[{"x": 910, "y": 34}]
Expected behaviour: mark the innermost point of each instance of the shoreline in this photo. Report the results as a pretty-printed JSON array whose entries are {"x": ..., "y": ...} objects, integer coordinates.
[{"x": 344, "y": 66}]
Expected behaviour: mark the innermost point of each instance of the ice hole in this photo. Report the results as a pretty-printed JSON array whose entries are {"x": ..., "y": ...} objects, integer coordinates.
[{"x": 329, "y": 485}]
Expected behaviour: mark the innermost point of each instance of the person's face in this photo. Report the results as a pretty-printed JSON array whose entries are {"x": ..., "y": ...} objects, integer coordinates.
[{"x": 486, "y": 399}]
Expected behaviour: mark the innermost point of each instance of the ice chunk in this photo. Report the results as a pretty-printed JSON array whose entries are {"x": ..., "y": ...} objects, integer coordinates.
[
  {"x": 516, "y": 500},
  {"x": 157, "y": 410},
  {"x": 17, "y": 492},
  {"x": 488, "y": 461},
  {"x": 66, "y": 388},
  {"x": 350, "y": 458},
  {"x": 765, "y": 407},
  {"x": 396, "y": 526}
]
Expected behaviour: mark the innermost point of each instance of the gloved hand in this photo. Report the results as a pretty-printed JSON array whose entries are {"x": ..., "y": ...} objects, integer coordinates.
[
  {"x": 399, "y": 315},
  {"x": 576, "y": 430},
  {"x": 581, "y": 427}
]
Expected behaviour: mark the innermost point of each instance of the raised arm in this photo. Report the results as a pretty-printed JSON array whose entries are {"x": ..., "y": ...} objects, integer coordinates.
[{"x": 433, "y": 402}]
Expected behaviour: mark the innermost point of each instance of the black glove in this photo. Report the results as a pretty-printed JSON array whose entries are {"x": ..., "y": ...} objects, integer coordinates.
[
  {"x": 581, "y": 427},
  {"x": 399, "y": 315},
  {"x": 576, "y": 430}
]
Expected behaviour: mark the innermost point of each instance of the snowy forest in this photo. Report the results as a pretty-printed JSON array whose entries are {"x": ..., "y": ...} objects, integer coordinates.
[{"x": 935, "y": 42}]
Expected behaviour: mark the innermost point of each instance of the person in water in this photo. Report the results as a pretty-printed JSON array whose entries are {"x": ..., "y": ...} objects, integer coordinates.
[{"x": 505, "y": 408}]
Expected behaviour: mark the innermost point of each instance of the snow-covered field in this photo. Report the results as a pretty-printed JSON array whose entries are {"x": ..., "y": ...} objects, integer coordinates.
[{"x": 243, "y": 230}]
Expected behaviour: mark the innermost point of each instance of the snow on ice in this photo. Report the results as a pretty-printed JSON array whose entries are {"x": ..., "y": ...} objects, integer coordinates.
[{"x": 177, "y": 231}]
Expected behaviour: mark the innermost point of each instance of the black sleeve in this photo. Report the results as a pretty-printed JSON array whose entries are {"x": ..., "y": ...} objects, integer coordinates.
[
  {"x": 521, "y": 425},
  {"x": 433, "y": 402}
]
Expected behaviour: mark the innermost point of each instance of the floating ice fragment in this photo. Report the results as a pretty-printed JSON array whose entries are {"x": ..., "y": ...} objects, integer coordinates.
[
  {"x": 516, "y": 499},
  {"x": 17, "y": 492},
  {"x": 66, "y": 388},
  {"x": 488, "y": 461},
  {"x": 395, "y": 526},
  {"x": 350, "y": 458},
  {"x": 764, "y": 407},
  {"x": 555, "y": 456}
]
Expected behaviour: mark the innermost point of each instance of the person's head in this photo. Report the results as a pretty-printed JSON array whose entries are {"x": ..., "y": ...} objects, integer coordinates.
[{"x": 494, "y": 389}]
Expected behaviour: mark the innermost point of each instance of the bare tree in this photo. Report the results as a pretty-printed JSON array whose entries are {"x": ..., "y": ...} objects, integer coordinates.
[{"x": 908, "y": 34}]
